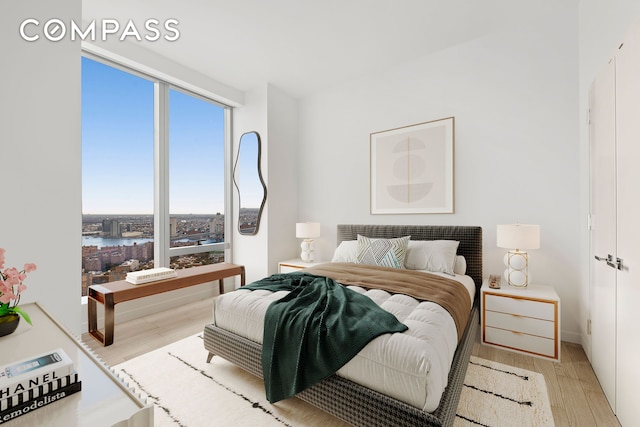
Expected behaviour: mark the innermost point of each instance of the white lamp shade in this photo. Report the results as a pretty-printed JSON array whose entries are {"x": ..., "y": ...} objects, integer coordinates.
[
  {"x": 307, "y": 230},
  {"x": 518, "y": 236}
]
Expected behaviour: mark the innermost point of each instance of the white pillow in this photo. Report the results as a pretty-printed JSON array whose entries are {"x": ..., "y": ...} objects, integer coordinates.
[
  {"x": 347, "y": 251},
  {"x": 432, "y": 255},
  {"x": 382, "y": 252},
  {"x": 460, "y": 266}
]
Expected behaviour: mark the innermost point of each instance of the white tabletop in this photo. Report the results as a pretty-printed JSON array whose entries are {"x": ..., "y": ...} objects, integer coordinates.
[{"x": 103, "y": 401}]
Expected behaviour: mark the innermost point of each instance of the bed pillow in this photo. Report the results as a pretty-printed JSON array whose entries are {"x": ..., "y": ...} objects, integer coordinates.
[
  {"x": 460, "y": 265},
  {"x": 346, "y": 251},
  {"x": 432, "y": 255},
  {"x": 382, "y": 252}
]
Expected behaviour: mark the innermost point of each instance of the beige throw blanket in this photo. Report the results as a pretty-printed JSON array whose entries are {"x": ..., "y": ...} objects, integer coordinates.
[{"x": 449, "y": 294}]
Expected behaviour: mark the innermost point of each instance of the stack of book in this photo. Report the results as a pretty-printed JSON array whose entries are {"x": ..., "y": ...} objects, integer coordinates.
[
  {"x": 151, "y": 275},
  {"x": 32, "y": 383}
]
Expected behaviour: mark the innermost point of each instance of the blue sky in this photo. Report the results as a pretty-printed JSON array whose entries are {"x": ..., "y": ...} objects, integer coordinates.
[{"x": 117, "y": 146}]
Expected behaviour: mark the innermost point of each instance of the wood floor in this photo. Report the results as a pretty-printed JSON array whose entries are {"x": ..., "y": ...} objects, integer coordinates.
[{"x": 576, "y": 396}]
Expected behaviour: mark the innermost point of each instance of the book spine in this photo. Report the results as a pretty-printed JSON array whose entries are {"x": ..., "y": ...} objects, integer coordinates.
[
  {"x": 31, "y": 372},
  {"x": 43, "y": 377},
  {"x": 39, "y": 402},
  {"x": 38, "y": 391}
]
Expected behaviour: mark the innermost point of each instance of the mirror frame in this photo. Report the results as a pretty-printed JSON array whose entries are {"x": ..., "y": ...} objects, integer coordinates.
[{"x": 264, "y": 187}]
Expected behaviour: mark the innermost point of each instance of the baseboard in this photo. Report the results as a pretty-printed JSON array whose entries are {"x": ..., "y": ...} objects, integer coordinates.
[{"x": 571, "y": 337}]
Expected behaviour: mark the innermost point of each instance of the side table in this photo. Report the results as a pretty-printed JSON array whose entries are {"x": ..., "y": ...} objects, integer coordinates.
[
  {"x": 294, "y": 265},
  {"x": 104, "y": 399},
  {"x": 524, "y": 320}
]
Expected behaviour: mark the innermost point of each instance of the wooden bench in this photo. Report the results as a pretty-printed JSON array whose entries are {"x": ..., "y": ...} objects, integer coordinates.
[{"x": 110, "y": 294}]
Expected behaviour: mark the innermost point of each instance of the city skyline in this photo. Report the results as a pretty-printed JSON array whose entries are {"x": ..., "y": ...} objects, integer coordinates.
[{"x": 113, "y": 245}]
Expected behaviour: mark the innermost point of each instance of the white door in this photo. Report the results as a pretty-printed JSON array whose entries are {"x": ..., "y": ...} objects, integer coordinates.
[
  {"x": 602, "y": 140},
  {"x": 628, "y": 235}
]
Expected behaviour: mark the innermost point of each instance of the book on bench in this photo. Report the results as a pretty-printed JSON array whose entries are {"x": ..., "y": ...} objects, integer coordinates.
[{"x": 151, "y": 275}]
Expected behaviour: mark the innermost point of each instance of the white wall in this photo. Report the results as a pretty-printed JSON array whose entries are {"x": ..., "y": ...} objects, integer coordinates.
[
  {"x": 602, "y": 27},
  {"x": 514, "y": 95},
  {"x": 251, "y": 251},
  {"x": 284, "y": 174},
  {"x": 40, "y": 155},
  {"x": 273, "y": 114}
]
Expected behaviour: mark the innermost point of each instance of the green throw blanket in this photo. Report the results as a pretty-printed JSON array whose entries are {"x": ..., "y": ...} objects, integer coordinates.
[{"x": 314, "y": 330}]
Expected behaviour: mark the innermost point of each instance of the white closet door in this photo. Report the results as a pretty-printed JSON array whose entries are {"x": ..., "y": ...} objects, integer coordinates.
[
  {"x": 602, "y": 137},
  {"x": 628, "y": 208}
]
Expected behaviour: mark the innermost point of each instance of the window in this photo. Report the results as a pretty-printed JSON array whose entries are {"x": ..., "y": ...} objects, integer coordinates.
[{"x": 149, "y": 198}]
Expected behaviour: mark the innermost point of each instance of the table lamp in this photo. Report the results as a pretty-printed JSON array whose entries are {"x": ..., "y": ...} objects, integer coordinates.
[
  {"x": 307, "y": 231},
  {"x": 518, "y": 237}
]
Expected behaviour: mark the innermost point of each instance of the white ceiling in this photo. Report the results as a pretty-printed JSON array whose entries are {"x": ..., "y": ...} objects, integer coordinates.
[{"x": 302, "y": 46}]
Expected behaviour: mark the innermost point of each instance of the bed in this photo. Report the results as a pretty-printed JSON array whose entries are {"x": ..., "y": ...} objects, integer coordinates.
[{"x": 348, "y": 399}]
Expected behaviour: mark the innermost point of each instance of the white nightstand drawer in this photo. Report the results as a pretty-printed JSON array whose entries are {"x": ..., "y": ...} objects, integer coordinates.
[
  {"x": 521, "y": 307},
  {"x": 288, "y": 268},
  {"x": 527, "y": 325},
  {"x": 520, "y": 341}
]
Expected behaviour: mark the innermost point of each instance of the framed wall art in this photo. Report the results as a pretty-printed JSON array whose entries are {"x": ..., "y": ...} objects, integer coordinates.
[{"x": 412, "y": 169}]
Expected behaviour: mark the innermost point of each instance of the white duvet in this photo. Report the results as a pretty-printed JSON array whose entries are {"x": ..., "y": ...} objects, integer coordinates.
[{"x": 412, "y": 366}]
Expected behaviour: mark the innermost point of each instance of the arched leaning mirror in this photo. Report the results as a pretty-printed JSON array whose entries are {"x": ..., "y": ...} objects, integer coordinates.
[{"x": 247, "y": 177}]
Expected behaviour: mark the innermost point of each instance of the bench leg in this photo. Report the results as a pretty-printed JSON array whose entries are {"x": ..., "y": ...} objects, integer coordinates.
[
  {"x": 93, "y": 316},
  {"x": 109, "y": 319},
  {"x": 209, "y": 357}
]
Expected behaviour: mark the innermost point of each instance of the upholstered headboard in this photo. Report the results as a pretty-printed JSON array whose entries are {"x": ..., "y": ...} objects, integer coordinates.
[{"x": 470, "y": 239}]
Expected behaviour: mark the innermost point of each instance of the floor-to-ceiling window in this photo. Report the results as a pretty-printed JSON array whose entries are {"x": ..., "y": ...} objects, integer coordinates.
[{"x": 153, "y": 174}]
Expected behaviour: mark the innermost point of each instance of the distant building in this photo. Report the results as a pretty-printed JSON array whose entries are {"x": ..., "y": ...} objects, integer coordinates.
[
  {"x": 110, "y": 228},
  {"x": 93, "y": 263},
  {"x": 130, "y": 265},
  {"x": 216, "y": 224},
  {"x": 173, "y": 226},
  {"x": 89, "y": 250}
]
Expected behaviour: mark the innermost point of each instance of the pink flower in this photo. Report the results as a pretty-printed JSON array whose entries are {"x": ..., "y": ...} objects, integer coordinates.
[
  {"x": 11, "y": 276},
  {"x": 11, "y": 286},
  {"x": 6, "y": 298}
]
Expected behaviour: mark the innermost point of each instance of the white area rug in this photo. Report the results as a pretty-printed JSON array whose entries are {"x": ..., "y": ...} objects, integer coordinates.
[
  {"x": 187, "y": 391},
  {"x": 500, "y": 395}
]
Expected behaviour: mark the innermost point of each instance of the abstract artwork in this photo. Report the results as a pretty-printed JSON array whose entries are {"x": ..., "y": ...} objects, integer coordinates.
[{"x": 412, "y": 169}]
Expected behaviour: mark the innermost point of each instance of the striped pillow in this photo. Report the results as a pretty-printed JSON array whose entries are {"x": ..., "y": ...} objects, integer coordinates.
[{"x": 382, "y": 252}]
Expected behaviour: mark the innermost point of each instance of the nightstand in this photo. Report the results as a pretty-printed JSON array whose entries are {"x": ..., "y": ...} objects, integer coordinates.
[
  {"x": 524, "y": 320},
  {"x": 295, "y": 264}
]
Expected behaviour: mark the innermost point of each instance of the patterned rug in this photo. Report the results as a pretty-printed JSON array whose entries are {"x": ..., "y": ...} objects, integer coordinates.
[
  {"x": 500, "y": 395},
  {"x": 186, "y": 391}
]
